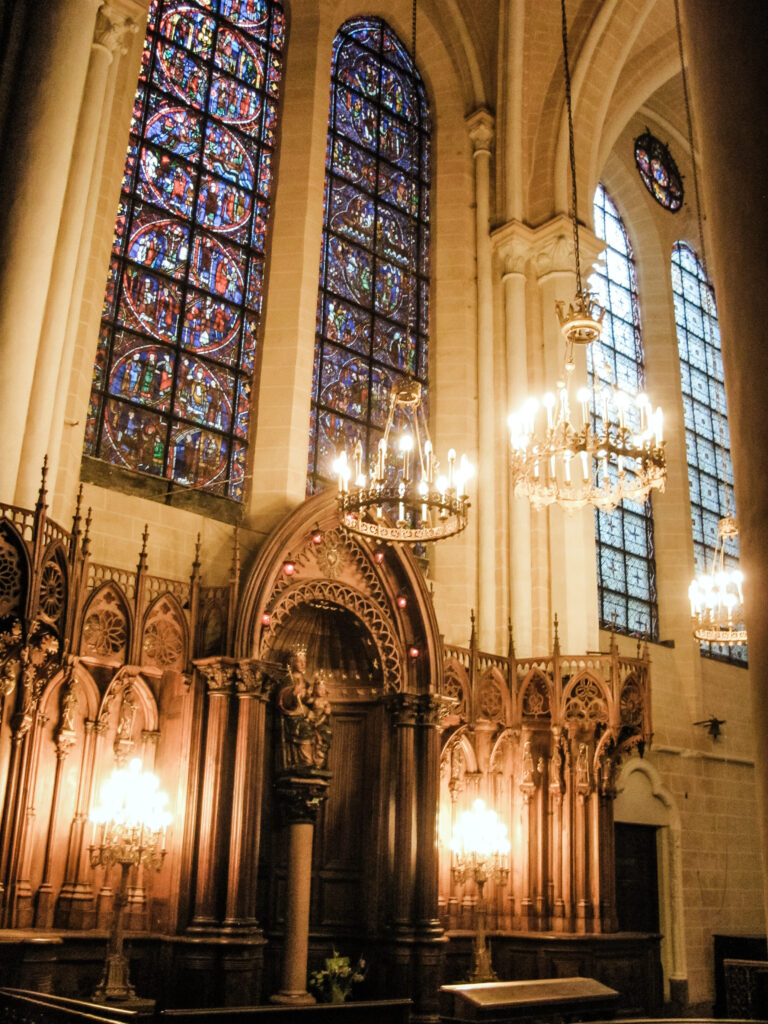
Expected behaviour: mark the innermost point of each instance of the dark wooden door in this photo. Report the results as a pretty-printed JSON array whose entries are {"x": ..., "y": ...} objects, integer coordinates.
[{"x": 637, "y": 878}]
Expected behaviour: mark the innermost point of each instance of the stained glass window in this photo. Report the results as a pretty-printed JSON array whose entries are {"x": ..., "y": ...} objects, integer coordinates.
[
  {"x": 373, "y": 303},
  {"x": 707, "y": 440},
  {"x": 171, "y": 392},
  {"x": 626, "y": 567},
  {"x": 659, "y": 171}
]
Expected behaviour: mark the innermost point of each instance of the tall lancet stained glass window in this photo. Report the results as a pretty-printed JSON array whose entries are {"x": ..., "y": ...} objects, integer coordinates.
[
  {"x": 172, "y": 381},
  {"x": 373, "y": 303},
  {"x": 707, "y": 440},
  {"x": 625, "y": 560}
]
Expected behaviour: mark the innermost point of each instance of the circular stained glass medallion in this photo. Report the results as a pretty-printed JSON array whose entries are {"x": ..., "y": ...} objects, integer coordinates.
[{"x": 659, "y": 171}]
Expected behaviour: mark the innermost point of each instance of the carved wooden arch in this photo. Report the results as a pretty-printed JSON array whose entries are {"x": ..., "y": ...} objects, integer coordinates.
[
  {"x": 456, "y": 685},
  {"x": 388, "y": 646},
  {"x": 83, "y": 683},
  {"x": 583, "y": 694},
  {"x": 51, "y": 598},
  {"x": 461, "y": 737},
  {"x": 632, "y": 703},
  {"x": 491, "y": 698},
  {"x": 130, "y": 675},
  {"x": 394, "y": 630},
  {"x": 159, "y": 647},
  {"x": 504, "y": 737},
  {"x": 105, "y": 633},
  {"x": 14, "y": 571},
  {"x": 531, "y": 702}
]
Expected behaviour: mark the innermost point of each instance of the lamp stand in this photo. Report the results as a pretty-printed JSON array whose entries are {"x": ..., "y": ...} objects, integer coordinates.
[{"x": 482, "y": 969}]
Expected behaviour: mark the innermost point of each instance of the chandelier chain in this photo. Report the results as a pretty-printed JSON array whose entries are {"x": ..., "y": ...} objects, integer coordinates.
[
  {"x": 702, "y": 249},
  {"x": 413, "y": 33},
  {"x": 572, "y": 150}
]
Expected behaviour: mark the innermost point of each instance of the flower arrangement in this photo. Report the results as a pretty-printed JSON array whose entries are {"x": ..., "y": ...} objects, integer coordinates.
[{"x": 334, "y": 983}]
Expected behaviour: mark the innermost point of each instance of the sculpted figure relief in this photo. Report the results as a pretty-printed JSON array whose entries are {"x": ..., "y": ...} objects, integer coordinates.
[{"x": 305, "y": 714}]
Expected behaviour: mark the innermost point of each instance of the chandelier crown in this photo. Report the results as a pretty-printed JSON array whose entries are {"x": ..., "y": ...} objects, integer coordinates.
[{"x": 402, "y": 496}]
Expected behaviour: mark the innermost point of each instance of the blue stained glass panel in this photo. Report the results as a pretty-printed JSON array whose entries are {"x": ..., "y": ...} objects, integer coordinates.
[
  {"x": 356, "y": 70},
  {"x": 347, "y": 325},
  {"x": 149, "y": 304},
  {"x": 186, "y": 25},
  {"x": 240, "y": 57},
  {"x": 166, "y": 182},
  {"x": 397, "y": 92},
  {"x": 199, "y": 457},
  {"x": 158, "y": 241},
  {"x": 252, "y": 15},
  {"x": 235, "y": 104},
  {"x": 351, "y": 214},
  {"x": 175, "y": 72},
  {"x": 218, "y": 267},
  {"x": 140, "y": 371},
  {"x": 223, "y": 208},
  {"x": 228, "y": 156},
  {"x": 173, "y": 127},
  {"x": 203, "y": 393},
  {"x": 132, "y": 437},
  {"x": 211, "y": 328},
  {"x": 356, "y": 118}
]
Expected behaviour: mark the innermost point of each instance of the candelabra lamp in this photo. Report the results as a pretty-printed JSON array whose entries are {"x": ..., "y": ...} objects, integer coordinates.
[
  {"x": 129, "y": 830},
  {"x": 480, "y": 849}
]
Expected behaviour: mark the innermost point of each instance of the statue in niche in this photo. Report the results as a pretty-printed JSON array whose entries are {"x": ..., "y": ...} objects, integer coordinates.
[{"x": 305, "y": 718}]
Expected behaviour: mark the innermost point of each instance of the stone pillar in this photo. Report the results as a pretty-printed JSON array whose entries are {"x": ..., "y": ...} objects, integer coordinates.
[
  {"x": 37, "y": 150},
  {"x": 405, "y": 713},
  {"x": 481, "y": 127},
  {"x": 53, "y": 366},
  {"x": 571, "y": 536},
  {"x": 726, "y": 57},
  {"x": 513, "y": 250},
  {"x": 301, "y": 799}
]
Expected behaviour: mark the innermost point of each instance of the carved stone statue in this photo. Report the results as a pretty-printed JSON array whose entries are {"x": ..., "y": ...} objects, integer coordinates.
[{"x": 305, "y": 728}]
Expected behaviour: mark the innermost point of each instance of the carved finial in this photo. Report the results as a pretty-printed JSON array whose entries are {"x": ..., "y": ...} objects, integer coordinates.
[
  {"x": 43, "y": 493},
  {"x": 76, "y": 516},
  {"x": 511, "y": 640},
  {"x": 143, "y": 552},
  {"x": 472, "y": 633},
  {"x": 613, "y": 645},
  {"x": 235, "y": 572},
  {"x": 556, "y": 641},
  {"x": 87, "y": 534},
  {"x": 196, "y": 563}
]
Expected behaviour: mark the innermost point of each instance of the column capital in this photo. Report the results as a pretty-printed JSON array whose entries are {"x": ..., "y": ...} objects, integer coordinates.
[
  {"x": 513, "y": 244},
  {"x": 552, "y": 247},
  {"x": 113, "y": 29},
  {"x": 405, "y": 708},
  {"x": 481, "y": 127},
  {"x": 302, "y": 798},
  {"x": 220, "y": 674}
]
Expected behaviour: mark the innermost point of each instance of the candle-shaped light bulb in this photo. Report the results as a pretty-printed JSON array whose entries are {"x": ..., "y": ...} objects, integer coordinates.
[
  {"x": 451, "y": 466},
  {"x": 358, "y": 460},
  {"x": 622, "y": 401},
  {"x": 429, "y": 458},
  {"x": 583, "y": 397},
  {"x": 644, "y": 405},
  {"x": 548, "y": 401},
  {"x": 381, "y": 457},
  {"x": 406, "y": 447}
]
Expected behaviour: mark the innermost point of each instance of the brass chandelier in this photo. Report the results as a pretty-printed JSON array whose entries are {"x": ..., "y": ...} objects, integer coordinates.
[
  {"x": 616, "y": 451},
  {"x": 403, "y": 497},
  {"x": 717, "y": 599}
]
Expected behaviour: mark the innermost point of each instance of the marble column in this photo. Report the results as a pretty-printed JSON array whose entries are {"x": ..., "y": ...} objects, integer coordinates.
[
  {"x": 726, "y": 57},
  {"x": 37, "y": 153},
  {"x": 481, "y": 129},
  {"x": 54, "y": 358},
  {"x": 300, "y": 799}
]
